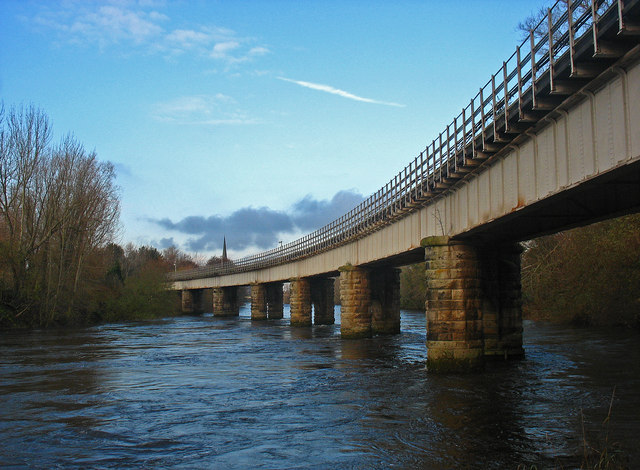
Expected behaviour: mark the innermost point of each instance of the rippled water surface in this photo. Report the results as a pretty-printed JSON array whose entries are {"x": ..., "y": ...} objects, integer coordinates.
[{"x": 205, "y": 392}]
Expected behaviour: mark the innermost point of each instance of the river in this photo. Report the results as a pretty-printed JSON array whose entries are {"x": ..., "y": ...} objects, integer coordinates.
[{"x": 205, "y": 392}]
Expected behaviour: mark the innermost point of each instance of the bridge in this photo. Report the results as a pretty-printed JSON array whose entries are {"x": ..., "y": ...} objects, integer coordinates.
[{"x": 550, "y": 142}]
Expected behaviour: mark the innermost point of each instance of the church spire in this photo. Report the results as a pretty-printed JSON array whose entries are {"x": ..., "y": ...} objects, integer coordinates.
[{"x": 224, "y": 250}]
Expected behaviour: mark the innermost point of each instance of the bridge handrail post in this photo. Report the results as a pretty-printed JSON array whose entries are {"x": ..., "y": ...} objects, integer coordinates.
[
  {"x": 551, "y": 46},
  {"x": 493, "y": 107},
  {"x": 440, "y": 156},
  {"x": 354, "y": 220},
  {"x": 404, "y": 185},
  {"x": 448, "y": 148},
  {"x": 421, "y": 173},
  {"x": 506, "y": 96}
]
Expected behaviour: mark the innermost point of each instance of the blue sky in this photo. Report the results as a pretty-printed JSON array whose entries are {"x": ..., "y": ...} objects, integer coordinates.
[{"x": 258, "y": 120}]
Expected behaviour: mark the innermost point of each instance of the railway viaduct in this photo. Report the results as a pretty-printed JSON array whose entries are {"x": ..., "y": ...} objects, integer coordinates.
[{"x": 550, "y": 142}]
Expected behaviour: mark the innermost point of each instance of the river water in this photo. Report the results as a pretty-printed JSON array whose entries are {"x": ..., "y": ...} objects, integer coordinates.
[{"x": 205, "y": 392}]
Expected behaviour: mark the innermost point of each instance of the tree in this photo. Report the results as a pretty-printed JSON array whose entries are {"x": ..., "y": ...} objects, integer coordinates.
[
  {"x": 135, "y": 259},
  {"x": 413, "y": 287},
  {"x": 589, "y": 275},
  {"x": 58, "y": 205},
  {"x": 214, "y": 261},
  {"x": 177, "y": 260}
]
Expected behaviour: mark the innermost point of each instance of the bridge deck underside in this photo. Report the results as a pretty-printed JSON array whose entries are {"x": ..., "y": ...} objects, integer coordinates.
[{"x": 612, "y": 194}]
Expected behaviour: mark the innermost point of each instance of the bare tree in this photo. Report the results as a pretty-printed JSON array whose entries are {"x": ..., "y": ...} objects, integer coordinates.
[
  {"x": 537, "y": 23},
  {"x": 178, "y": 260},
  {"x": 58, "y": 204}
]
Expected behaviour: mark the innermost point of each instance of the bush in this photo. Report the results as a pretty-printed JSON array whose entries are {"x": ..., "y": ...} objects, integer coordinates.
[
  {"x": 142, "y": 296},
  {"x": 413, "y": 287},
  {"x": 587, "y": 276}
]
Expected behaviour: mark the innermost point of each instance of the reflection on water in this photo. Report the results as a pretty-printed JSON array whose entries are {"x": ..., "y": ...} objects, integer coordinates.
[{"x": 210, "y": 392}]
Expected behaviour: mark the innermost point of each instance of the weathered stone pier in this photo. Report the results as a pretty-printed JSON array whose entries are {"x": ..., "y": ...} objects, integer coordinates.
[{"x": 473, "y": 303}]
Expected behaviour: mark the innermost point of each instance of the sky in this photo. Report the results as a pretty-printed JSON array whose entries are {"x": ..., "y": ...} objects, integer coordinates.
[{"x": 258, "y": 121}]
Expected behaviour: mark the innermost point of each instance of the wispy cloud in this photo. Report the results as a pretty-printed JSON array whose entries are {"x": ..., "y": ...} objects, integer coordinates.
[
  {"x": 258, "y": 51},
  {"x": 258, "y": 227},
  {"x": 188, "y": 38},
  {"x": 119, "y": 23},
  {"x": 337, "y": 91},
  {"x": 141, "y": 26},
  {"x": 210, "y": 110},
  {"x": 102, "y": 23},
  {"x": 235, "y": 51},
  {"x": 223, "y": 50}
]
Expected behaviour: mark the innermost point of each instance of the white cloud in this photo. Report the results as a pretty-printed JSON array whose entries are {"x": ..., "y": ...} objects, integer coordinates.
[
  {"x": 256, "y": 51},
  {"x": 104, "y": 24},
  {"x": 120, "y": 22},
  {"x": 200, "y": 39},
  {"x": 337, "y": 91},
  {"x": 188, "y": 38},
  {"x": 223, "y": 49},
  {"x": 141, "y": 27},
  {"x": 208, "y": 110}
]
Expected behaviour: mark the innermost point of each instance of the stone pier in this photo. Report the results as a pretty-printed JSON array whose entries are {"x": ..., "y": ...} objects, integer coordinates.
[
  {"x": 266, "y": 301},
  {"x": 385, "y": 301},
  {"x": 258, "y": 302},
  {"x": 454, "y": 323},
  {"x": 225, "y": 302},
  {"x": 502, "y": 301},
  {"x": 322, "y": 299},
  {"x": 355, "y": 297},
  {"x": 473, "y": 303},
  {"x": 275, "y": 304},
  {"x": 192, "y": 301},
  {"x": 300, "y": 302},
  {"x": 187, "y": 301}
]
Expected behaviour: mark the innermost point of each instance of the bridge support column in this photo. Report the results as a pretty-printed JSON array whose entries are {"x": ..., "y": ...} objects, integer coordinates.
[
  {"x": 275, "y": 305},
  {"x": 454, "y": 318},
  {"x": 322, "y": 298},
  {"x": 385, "y": 301},
  {"x": 192, "y": 301},
  {"x": 187, "y": 301},
  {"x": 502, "y": 303},
  {"x": 258, "y": 302},
  {"x": 300, "y": 302},
  {"x": 473, "y": 303},
  {"x": 225, "y": 302},
  {"x": 355, "y": 297}
]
